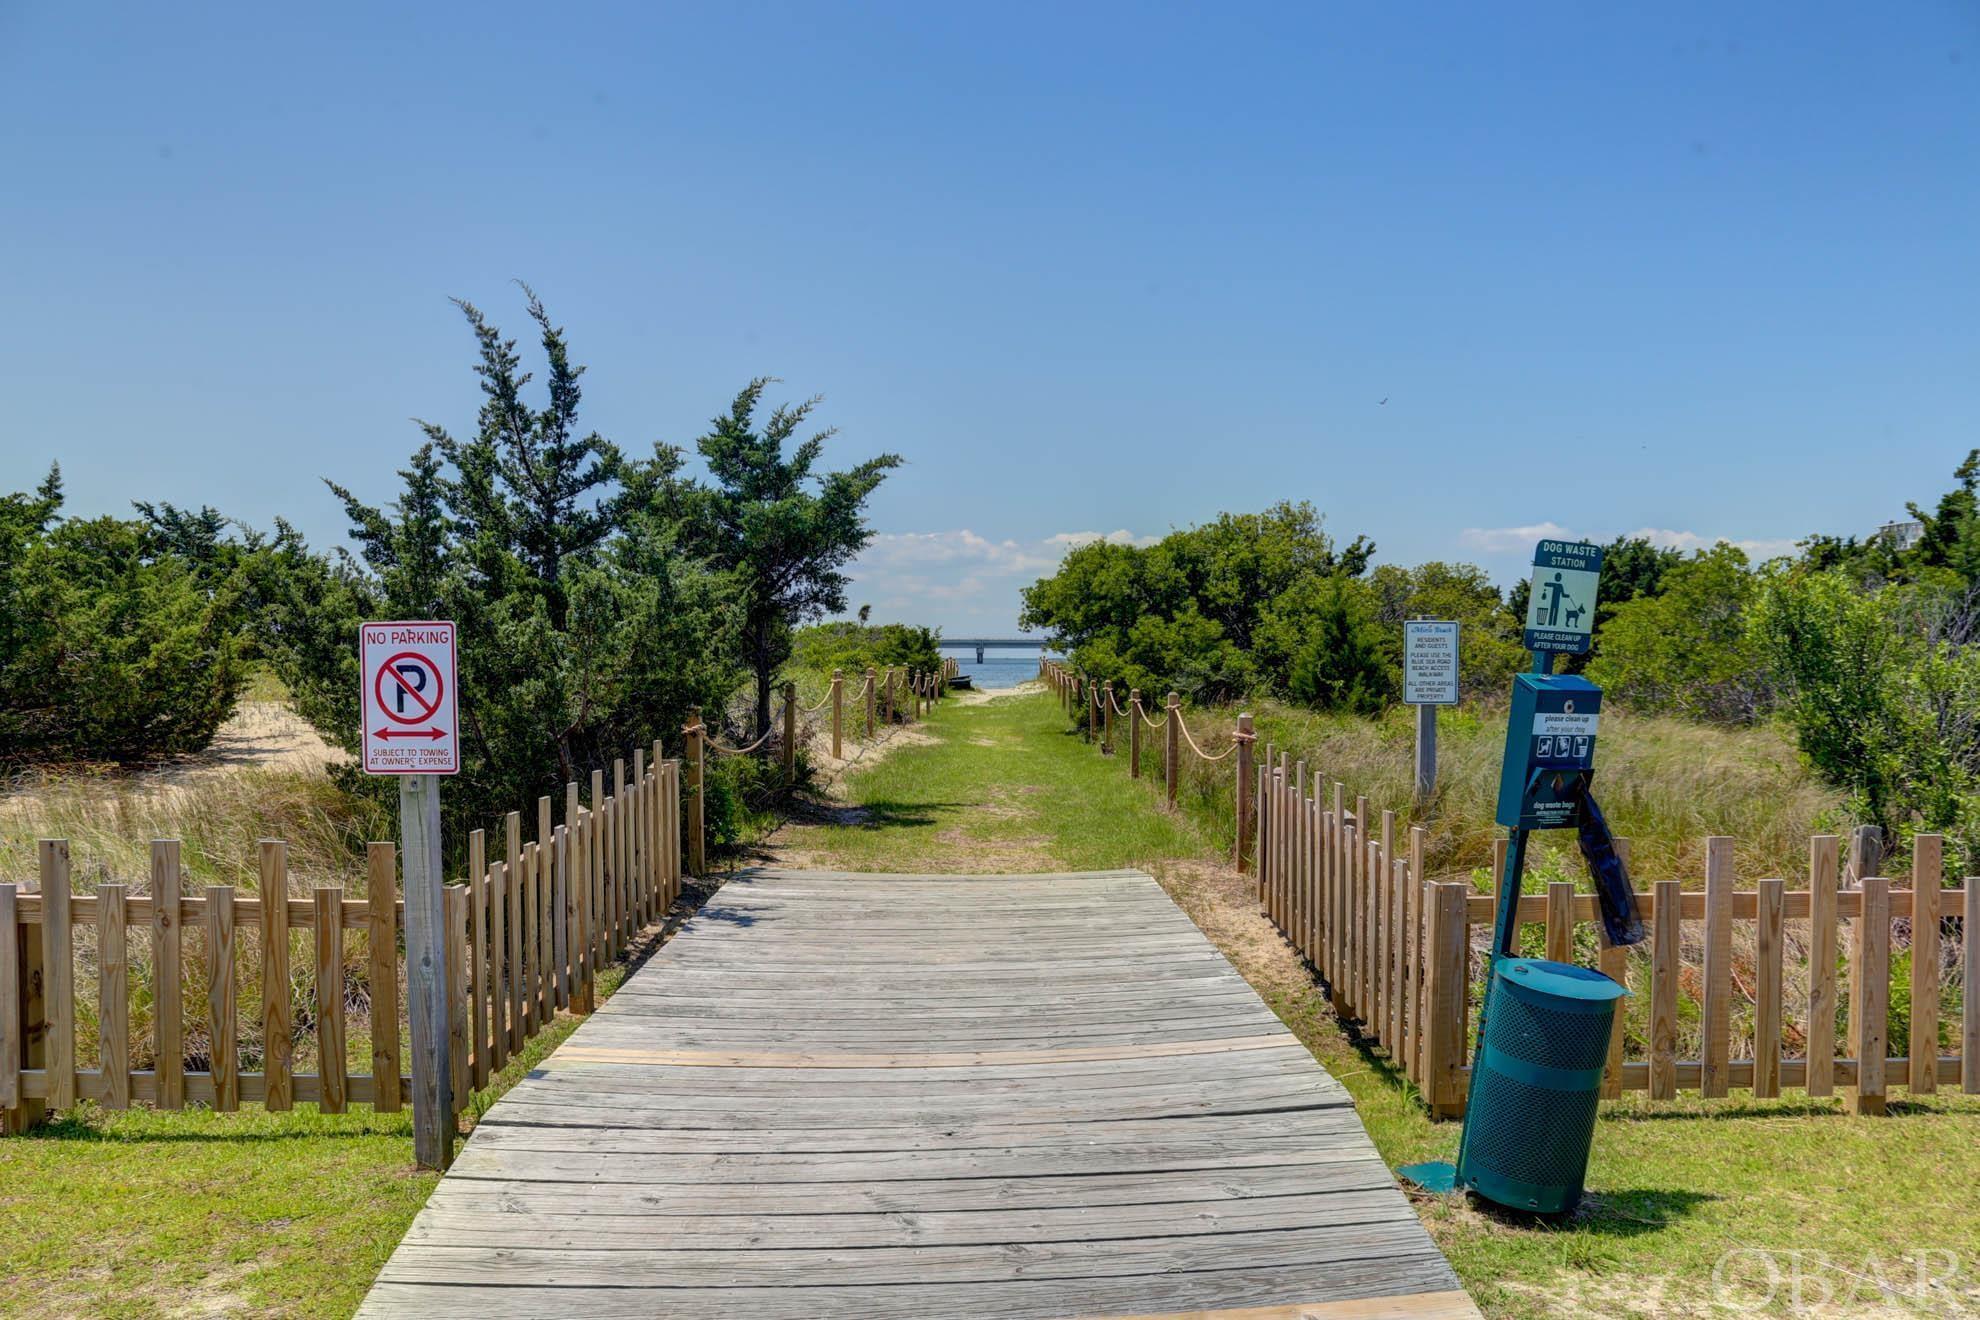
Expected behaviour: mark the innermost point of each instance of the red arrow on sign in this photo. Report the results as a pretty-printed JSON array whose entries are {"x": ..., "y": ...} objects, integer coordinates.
[{"x": 409, "y": 733}]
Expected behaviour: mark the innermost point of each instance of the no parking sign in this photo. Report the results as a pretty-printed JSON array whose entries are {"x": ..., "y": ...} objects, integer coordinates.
[{"x": 410, "y": 724}]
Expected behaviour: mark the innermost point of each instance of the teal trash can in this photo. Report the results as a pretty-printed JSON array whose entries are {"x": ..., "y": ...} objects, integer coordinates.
[{"x": 1539, "y": 1077}]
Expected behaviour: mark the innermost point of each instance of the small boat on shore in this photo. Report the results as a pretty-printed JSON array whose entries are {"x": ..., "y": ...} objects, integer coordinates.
[{"x": 960, "y": 682}]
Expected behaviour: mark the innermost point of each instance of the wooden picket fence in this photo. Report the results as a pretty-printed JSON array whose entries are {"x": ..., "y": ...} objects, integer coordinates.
[
  {"x": 525, "y": 938},
  {"x": 1404, "y": 954}
]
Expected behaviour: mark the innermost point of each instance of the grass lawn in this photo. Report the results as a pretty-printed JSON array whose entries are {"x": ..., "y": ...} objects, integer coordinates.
[
  {"x": 142, "y": 1213},
  {"x": 1675, "y": 1185}
]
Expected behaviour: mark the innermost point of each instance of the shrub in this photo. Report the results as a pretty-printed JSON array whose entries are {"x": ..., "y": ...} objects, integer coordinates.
[{"x": 110, "y": 646}]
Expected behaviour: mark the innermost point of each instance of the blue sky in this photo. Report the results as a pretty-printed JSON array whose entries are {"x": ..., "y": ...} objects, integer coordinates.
[{"x": 1705, "y": 270}]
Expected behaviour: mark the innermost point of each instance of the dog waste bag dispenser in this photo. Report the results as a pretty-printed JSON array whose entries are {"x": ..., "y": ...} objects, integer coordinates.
[{"x": 1544, "y": 1029}]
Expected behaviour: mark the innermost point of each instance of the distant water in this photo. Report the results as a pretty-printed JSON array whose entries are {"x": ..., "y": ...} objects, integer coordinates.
[{"x": 1000, "y": 669}]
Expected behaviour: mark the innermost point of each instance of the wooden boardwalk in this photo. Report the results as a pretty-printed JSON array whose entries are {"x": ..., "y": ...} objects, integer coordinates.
[{"x": 864, "y": 1095}]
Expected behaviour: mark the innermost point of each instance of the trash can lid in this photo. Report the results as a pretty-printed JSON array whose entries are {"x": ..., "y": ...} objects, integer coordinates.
[{"x": 1560, "y": 979}]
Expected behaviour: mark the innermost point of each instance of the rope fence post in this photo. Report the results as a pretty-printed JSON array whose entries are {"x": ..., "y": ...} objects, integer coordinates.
[
  {"x": 838, "y": 714},
  {"x": 790, "y": 734},
  {"x": 872, "y": 695},
  {"x": 890, "y": 694},
  {"x": 1134, "y": 733},
  {"x": 1107, "y": 720},
  {"x": 697, "y": 817},
  {"x": 1247, "y": 806},
  {"x": 1171, "y": 761}
]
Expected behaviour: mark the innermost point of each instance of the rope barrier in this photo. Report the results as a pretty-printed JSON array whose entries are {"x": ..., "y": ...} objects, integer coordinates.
[
  {"x": 720, "y": 750},
  {"x": 1236, "y": 739}
]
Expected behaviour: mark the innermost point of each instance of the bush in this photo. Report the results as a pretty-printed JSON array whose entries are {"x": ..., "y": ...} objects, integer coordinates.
[{"x": 111, "y": 648}]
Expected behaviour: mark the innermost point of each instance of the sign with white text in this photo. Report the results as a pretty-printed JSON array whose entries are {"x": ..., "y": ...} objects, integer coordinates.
[
  {"x": 1560, "y": 612},
  {"x": 410, "y": 719},
  {"x": 1430, "y": 662}
]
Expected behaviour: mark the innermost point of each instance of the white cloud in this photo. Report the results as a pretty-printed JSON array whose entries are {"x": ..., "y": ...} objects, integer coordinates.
[
  {"x": 1505, "y": 540},
  {"x": 959, "y": 578},
  {"x": 1119, "y": 536},
  {"x": 1500, "y": 540}
]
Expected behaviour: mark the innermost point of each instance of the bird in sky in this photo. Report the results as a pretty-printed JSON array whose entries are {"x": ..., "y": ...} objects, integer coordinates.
[{"x": 1385, "y": 399}]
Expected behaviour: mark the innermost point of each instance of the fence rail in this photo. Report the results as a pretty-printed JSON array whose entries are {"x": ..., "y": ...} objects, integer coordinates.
[{"x": 1804, "y": 974}]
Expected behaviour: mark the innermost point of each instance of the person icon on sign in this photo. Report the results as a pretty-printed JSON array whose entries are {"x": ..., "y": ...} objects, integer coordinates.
[{"x": 1547, "y": 611}]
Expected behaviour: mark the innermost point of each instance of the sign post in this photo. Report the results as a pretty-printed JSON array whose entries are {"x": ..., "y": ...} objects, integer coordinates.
[
  {"x": 411, "y": 729},
  {"x": 1430, "y": 680},
  {"x": 1535, "y": 1085}
]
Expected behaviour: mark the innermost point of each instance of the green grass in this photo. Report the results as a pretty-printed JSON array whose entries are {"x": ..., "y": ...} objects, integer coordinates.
[
  {"x": 139, "y": 1213},
  {"x": 1675, "y": 1186}
]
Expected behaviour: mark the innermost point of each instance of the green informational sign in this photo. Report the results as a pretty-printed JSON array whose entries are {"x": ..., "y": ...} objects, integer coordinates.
[{"x": 1560, "y": 615}]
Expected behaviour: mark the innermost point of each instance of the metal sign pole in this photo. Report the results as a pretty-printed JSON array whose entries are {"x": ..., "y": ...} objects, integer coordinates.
[
  {"x": 409, "y": 703},
  {"x": 1426, "y": 752},
  {"x": 426, "y": 970}
]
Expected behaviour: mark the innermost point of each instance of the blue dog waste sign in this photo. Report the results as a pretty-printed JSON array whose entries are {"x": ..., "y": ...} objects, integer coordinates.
[{"x": 1560, "y": 615}]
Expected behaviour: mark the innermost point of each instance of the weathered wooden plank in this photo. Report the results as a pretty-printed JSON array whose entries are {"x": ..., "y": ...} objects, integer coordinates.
[
  {"x": 113, "y": 1002},
  {"x": 222, "y": 986},
  {"x": 58, "y": 962},
  {"x": 978, "y": 1110},
  {"x": 382, "y": 937},
  {"x": 277, "y": 1017},
  {"x": 13, "y": 1033},
  {"x": 167, "y": 1028},
  {"x": 331, "y": 1065},
  {"x": 1824, "y": 863}
]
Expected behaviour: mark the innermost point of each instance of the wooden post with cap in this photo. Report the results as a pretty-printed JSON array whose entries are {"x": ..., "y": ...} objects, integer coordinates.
[
  {"x": 1171, "y": 763},
  {"x": 697, "y": 821},
  {"x": 1134, "y": 733},
  {"x": 1247, "y": 808},
  {"x": 790, "y": 734},
  {"x": 838, "y": 714}
]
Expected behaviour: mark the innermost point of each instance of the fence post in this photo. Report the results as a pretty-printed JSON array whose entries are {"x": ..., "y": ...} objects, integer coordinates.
[
  {"x": 1927, "y": 872},
  {"x": 790, "y": 734},
  {"x": 1107, "y": 719},
  {"x": 1823, "y": 869},
  {"x": 381, "y": 925},
  {"x": 454, "y": 903},
  {"x": 15, "y": 1044},
  {"x": 1871, "y": 963},
  {"x": 1445, "y": 1048},
  {"x": 890, "y": 694},
  {"x": 838, "y": 714},
  {"x": 58, "y": 963},
  {"x": 1715, "y": 1006},
  {"x": 1134, "y": 733},
  {"x": 1170, "y": 767},
  {"x": 872, "y": 697},
  {"x": 697, "y": 818},
  {"x": 1247, "y": 807}
]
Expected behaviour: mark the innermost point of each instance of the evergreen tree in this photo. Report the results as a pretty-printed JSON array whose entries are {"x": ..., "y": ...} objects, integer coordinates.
[{"x": 782, "y": 531}]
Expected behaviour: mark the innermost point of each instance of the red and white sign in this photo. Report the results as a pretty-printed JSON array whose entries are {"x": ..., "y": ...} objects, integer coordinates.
[{"x": 410, "y": 725}]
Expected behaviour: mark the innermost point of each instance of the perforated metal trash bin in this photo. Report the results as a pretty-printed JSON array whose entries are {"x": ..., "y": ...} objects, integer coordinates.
[{"x": 1532, "y": 1110}]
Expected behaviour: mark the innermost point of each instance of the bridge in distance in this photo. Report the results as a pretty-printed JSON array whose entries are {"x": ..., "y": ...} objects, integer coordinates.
[{"x": 983, "y": 644}]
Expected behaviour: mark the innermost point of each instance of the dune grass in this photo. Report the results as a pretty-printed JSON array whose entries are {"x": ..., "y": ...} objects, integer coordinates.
[
  {"x": 1665, "y": 784},
  {"x": 1758, "y": 1191}
]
